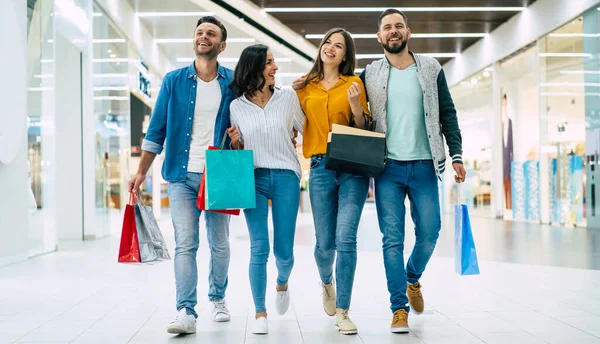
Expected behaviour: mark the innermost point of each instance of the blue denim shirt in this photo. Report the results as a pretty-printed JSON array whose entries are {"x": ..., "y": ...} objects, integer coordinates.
[{"x": 173, "y": 119}]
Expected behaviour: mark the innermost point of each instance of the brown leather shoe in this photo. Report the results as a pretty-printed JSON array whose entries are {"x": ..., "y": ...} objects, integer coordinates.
[
  {"x": 400, "y": 322},
  {"x": 413, "y": 291}
]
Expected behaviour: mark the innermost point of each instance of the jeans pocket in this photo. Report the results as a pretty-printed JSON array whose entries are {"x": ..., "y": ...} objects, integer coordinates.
[{"x": 314, "y": 162}]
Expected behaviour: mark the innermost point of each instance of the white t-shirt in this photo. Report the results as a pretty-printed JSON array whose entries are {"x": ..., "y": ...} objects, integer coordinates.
[{"x": 208, "y": 101}]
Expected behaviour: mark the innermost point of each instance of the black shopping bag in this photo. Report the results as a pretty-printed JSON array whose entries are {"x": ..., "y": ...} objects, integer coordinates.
[{"x": 356, "y": 151}]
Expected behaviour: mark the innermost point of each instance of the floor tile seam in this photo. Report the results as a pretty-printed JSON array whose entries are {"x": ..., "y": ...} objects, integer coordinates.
[{"x": 94, "y": 324}]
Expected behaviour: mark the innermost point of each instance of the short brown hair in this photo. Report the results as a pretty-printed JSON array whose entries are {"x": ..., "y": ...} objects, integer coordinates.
[
  {"x": 387, "y": 13},
  {"x": 217, "y": 22}
]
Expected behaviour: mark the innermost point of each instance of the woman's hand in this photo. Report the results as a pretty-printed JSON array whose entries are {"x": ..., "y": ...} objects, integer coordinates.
[
  {"x": 234, "y": 135},
  {"x": 354, "y": 92}
]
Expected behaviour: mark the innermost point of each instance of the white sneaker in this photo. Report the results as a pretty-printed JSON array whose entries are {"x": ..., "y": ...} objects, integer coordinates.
[
  {"x": 183, "y": 324},
  {"x": 220, "y": 312},
  {"x": 282, "y": 303},
  {"x": 260, "y": 326}
]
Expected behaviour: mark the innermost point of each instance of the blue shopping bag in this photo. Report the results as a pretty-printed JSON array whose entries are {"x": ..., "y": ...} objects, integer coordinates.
[
  {"x": 465, "y": 255},
  {"x": 229, "y": 179}
]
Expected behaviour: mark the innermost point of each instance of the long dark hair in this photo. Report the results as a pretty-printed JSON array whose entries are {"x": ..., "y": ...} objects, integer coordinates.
[
  {"x": 345, "y": 68},
  {"x": 248, "y": 77}
]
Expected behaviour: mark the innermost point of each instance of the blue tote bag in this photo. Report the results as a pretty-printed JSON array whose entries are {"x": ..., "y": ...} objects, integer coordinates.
[
  {"x": 465, "y": 255},
  {"x": 229, "y": 179}
]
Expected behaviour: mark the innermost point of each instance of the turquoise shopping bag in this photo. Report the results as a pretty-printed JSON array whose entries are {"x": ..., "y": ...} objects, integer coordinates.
[
  {"x": 464, "y": 245},
  {"x": 229, "y": 179}
]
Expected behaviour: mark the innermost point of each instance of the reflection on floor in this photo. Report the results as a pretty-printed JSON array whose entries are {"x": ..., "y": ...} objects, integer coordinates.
[{"x": 81, "y": 295}]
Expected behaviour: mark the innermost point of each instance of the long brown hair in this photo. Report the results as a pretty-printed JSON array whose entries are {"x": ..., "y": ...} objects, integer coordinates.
[{"x": 345, "y": 68}]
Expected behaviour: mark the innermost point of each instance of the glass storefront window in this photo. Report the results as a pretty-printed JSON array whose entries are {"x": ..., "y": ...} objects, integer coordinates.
[
  {"x": 473, "y": 102},
  {"x": 40, "y": 107},
  {"x": 518, "y": 81},
  {"x": 570, "y": 91},
  {"x": 111, "y": 81}
]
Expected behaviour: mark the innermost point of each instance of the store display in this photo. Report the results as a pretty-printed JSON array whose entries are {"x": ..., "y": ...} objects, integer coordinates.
[
  {"x": 566, "y": 186},
  {"x": 526, "y": 190}
]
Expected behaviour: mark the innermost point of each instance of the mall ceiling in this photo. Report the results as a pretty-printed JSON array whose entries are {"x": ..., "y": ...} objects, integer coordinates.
[
  {"x": 440, "y": 28},
  {"x": 427, "y": 21}
]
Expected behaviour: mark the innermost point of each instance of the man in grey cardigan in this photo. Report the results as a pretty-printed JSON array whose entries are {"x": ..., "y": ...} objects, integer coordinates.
[{"x": 410, "y": 102}]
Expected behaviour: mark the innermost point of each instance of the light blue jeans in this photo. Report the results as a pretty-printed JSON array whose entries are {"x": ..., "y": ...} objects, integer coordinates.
[
  {"x": 337, "y": 201},
  {"x": 418, "y": 181},
  {"x": 186, "y": 221},
  {"x": 282, "y": 187}
]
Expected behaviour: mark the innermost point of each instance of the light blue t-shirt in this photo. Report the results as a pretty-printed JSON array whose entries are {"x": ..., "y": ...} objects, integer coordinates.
[{"x": 406, "y": 136}]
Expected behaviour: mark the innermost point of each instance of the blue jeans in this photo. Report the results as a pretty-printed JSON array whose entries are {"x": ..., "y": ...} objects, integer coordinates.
[
  {"x": 282, "y": 187},
  {"x": 337, "y": 201},
  {"x": 186, "y": 221},
  {"x": 418, "y": 181}
]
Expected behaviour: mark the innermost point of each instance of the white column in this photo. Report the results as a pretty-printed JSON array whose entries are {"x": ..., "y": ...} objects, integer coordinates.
[
  {"x": 14, "y": 189},
  {"x": 74, "y": 120},
  {"x": 497, "y": 152}
]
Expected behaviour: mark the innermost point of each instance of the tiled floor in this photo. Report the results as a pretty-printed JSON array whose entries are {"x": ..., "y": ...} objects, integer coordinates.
[{"x": 81, "y": 295}]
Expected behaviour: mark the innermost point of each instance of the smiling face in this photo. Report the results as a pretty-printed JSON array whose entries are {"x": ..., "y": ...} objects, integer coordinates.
[
  {"x": 207, "y": 41},
  {"x": 393, "y": 33},
  {"x": 270, "y": 69},
  {"x": 333, "y": 50}
]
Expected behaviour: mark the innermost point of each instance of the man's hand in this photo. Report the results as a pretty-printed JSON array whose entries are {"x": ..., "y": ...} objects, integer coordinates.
[
  {"x": 298, "y": 83},
  {"x": 461, "y": 174},
  {"x": 135, "y": 182}
]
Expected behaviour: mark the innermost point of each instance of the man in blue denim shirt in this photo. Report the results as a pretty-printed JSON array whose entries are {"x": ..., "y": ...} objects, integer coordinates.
[{"x": 192, "y": 113}]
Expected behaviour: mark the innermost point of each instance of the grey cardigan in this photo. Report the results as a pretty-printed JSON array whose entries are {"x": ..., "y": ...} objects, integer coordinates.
[{"x": 440, "y": 113}]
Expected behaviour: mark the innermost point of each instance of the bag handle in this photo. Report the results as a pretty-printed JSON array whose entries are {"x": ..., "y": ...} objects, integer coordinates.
[
  {"x": 225, "y": 139},
  {"x": 131, "y": 198},
  {"x": 134, "y": 198}
]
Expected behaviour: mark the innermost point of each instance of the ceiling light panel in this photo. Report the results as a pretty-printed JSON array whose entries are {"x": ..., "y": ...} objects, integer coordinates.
[{"x": 381, "y": 9}]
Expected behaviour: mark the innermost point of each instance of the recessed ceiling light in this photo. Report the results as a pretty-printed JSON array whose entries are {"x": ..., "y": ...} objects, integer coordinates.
[
  {"x": 43, "y": 76},
  {"x": 380, "y": 56},
  {"x": 570, "y": 84},
  {"x": 381, "y": 9},
  {"x": 98, "y": 14},
  {"x": 112, "y": 88},
  {"x": 113, "y": 40},
  {"x": 113, "y": 55},
  {"x": 111, "y": 75},
  {"x": 231, "y": 59},
  {"x": 173, "y": 14},
  {"x": 486, "y": 74},
  {"x": 113, "y": 60},
  {"x": 190, "y": 40},
  {"x": 109, "y": 51},
  {"x": 566, "y": 55},
  {"x": 579, "y": 72},
  {"x": 414, "y": 35},
  {"x": 474, "y": 81},
  {"x": 570, "y": 35}
]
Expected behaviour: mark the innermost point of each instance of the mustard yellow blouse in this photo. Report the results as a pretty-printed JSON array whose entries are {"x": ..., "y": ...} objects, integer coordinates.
[{"x": 323, "y": 108}]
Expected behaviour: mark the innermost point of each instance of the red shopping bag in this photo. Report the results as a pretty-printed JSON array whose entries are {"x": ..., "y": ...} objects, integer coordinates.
[
  {"x": 129, "y": 252},
  {"x": 200, "y": 202}
]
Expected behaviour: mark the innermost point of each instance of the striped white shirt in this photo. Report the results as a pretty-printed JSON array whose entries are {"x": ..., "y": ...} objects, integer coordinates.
[{"x": 268, "y": 132}]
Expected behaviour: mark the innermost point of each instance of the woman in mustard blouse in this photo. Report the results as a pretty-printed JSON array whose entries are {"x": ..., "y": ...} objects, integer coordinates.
[{"x": 332, "y": 94}]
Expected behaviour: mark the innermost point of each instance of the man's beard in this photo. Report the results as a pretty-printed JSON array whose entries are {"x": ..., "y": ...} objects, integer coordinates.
[
  {"x": 212, "y": 53},
  {"x": 397, "y": 49}
]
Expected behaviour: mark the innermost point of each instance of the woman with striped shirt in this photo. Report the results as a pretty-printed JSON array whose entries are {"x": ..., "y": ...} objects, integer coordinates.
[{"x": 263, "y": 119}]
